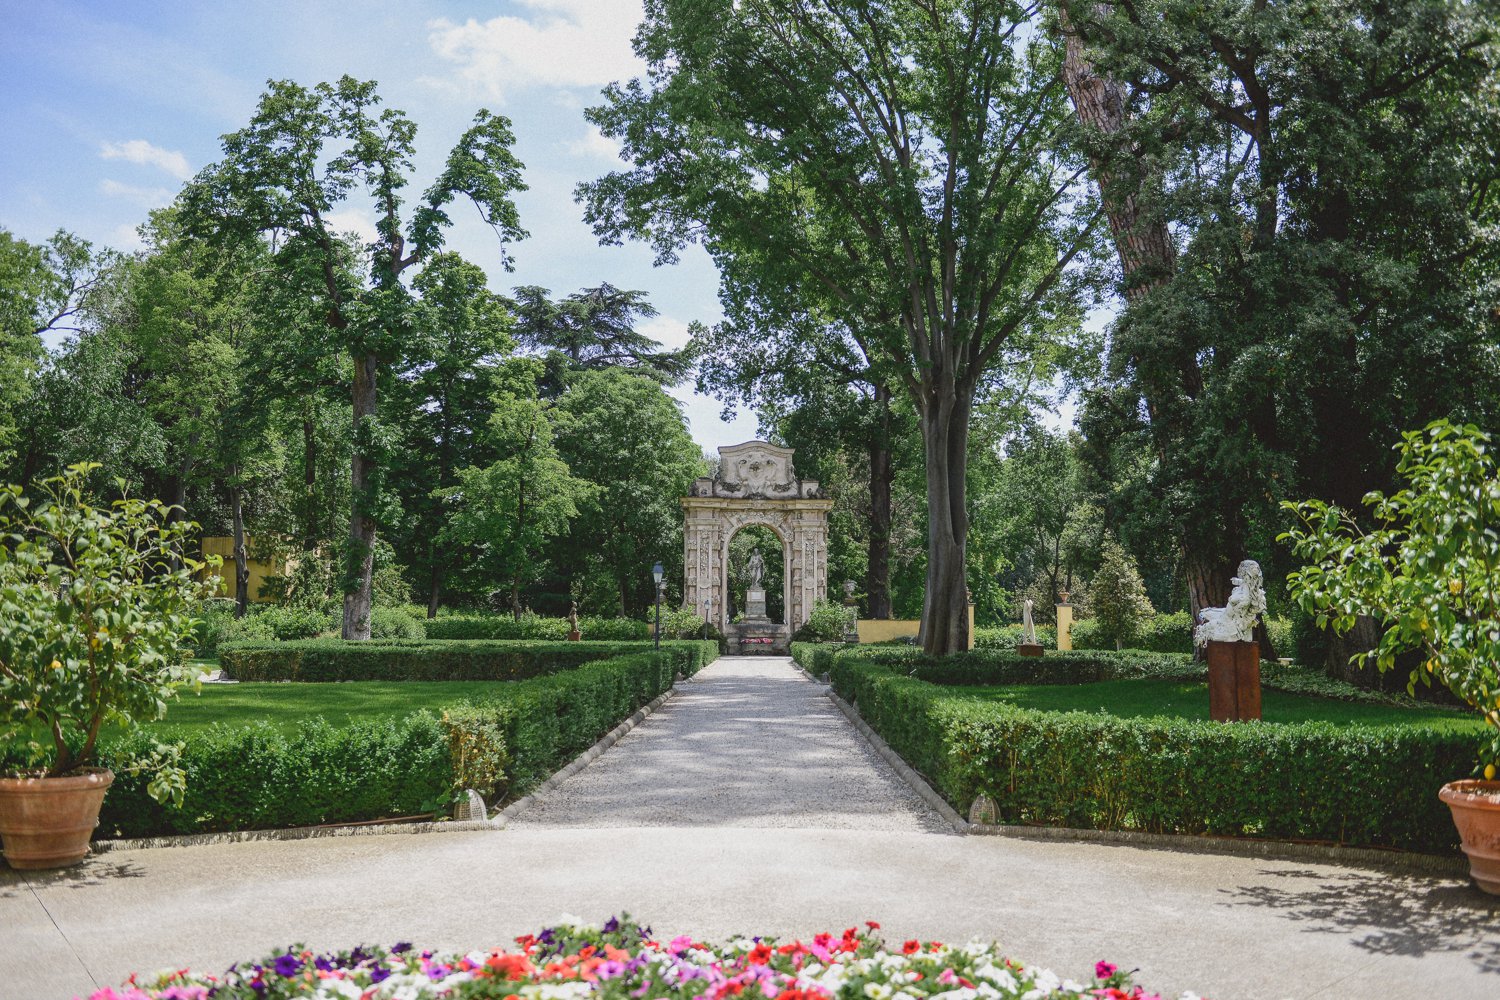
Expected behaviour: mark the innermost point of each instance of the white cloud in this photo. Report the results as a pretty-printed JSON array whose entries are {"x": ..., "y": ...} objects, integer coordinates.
[
  {"x": 151, "y": 197},
  {"x": 594, "y": 146},
  {"x": 671, "y": 333},
  {"x": 125, "y": 237},
  {"x": 143, "y": 152},
  {"x": 564, "y": 43},
  {"x": 353, "y": 220}
]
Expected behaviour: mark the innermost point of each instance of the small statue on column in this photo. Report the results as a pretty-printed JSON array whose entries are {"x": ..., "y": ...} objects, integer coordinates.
[
  {"x": 1233, "y": 653},
  {"x": 573, "y": 634},
  {"x": 1028, "y": 646}
]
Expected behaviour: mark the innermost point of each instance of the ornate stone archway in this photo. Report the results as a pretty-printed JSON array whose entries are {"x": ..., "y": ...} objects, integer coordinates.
[{"x": 756, "y": 485}]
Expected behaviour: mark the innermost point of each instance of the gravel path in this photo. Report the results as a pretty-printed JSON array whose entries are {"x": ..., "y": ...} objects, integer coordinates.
[{"x": 748, "y": 742}]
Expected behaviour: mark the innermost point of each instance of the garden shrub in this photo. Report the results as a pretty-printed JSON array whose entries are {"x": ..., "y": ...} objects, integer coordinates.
[
  {"x": 256, "y": 777},
  {"x": 319, "y": 660},
  {"x": 287, "y": 622},
  {"x": 828, "y": 622},
  {"x": 1167, "y": 633},
  {"x": 1009, "y": 636},
  {"x": 395, "y": 623},
  {"x": 529, "y": 626},
  {"x": 1354, "y": 785}
]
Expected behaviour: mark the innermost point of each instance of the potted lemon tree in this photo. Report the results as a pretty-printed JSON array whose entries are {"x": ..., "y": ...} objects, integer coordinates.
[
  {"x": 96, "y": 625},
  {"x": 1427, "y": 565}
]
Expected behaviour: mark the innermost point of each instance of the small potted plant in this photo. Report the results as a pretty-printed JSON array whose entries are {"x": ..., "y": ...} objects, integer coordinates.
[
  {"x": 1428, "y": 568},
  {"x": 96, "y": 628}
]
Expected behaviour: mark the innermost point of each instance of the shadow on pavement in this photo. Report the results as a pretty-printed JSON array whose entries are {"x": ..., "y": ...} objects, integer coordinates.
[{"x": 1385, "y": 914}]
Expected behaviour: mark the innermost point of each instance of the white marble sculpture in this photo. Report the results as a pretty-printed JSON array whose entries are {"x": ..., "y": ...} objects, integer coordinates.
[
  {"x": 755, "y": 569},
  {"x": 1028, "y": 627},
  {"x": 1236, "y": 621}
]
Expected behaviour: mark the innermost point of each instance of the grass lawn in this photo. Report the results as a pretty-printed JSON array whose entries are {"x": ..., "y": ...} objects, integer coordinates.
[
  {"x": 1189, "y": 700},
  {"x": 288, "y": 705}
]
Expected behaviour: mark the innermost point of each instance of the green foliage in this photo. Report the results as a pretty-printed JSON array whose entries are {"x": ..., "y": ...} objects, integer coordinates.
[
  {"x": 1009, "y": 637},
  {"x": 624, "y": 435},
  {"x": 321, "y": 660},
  {"x": 396, "y": 623},
  {"x": 1428, "y": 569},
  {"x": 683, "y": 623},
  {"x": 1354, "y": 785},
  {"x": 1118, "y": 597},
  {"x": 96, "y": 620},
  {"x": 829, "y": 621},
  {"x": 508, "y": 509},
  {"x": 532, "y": 626},
  {"x": 258, "y": 777}
]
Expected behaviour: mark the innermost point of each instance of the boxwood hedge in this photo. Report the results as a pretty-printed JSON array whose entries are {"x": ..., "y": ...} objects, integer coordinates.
[
  {"x": 257, "y": 777},
  {"x": 1347, "y": 784},
  {"x": 433, "y": 660},
  {"x": 534, "y": 627}
]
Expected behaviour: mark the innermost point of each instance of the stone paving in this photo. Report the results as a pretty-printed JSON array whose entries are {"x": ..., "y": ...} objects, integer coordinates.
[{"x": 719, "y": 815}]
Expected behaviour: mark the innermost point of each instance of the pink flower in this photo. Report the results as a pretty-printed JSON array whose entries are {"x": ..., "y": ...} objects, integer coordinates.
[{"x": 1103, "y": 970}]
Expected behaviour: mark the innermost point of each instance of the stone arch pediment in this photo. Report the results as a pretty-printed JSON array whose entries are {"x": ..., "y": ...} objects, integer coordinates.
[{"x": 757, "y": 485}]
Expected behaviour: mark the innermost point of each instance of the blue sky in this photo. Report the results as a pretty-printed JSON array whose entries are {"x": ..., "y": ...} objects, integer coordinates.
[{"x": 107, "y": 107}]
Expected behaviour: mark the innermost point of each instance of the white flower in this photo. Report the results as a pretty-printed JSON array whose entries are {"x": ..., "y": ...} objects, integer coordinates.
[{"x": 877, "y": 991}]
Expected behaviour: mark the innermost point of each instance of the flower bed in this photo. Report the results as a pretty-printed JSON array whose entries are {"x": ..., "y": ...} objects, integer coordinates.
[{"x": 622, "y": 961}]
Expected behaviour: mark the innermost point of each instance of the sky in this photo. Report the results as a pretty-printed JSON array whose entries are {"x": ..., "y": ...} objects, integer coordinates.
[{"x": 106, "y": 108}]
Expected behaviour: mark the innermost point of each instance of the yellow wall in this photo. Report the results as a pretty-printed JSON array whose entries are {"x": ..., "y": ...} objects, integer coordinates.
[
  {"x": 223, "y": 546},
  {"x": 883, "y": 630},
  {"x": 1065, "y": 626}
]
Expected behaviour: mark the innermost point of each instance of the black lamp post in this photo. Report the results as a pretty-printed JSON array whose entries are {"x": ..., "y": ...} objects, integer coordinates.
[{"x": 656, "y": 578}]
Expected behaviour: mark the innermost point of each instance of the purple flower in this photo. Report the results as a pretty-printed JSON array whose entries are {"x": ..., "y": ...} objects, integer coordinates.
[
  {"x": 379, "y": 974},
  {"x": 287, "y": 966},
  {"x": 611, "y": 925},
  {"x": 401, "y": 947}
]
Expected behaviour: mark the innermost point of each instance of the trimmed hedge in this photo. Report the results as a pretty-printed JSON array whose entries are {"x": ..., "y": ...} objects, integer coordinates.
[
  {"x": 255, "y": 777},
  {"x": 1168, "y": 633},
  {"x": 535, "y": 627},
  {"x": 317, "y": 660},
  {"x": 1353, "y": 785}
]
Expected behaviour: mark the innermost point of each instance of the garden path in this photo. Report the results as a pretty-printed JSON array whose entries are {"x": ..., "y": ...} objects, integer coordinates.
[{"x": 748, "y": 742}]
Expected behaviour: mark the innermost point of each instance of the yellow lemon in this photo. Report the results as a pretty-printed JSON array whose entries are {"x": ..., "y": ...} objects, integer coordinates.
[
  {"x": 1455, "y": 587},
  {"x": 55, "y": 665},
  {"x": 1489, "y": 772}
]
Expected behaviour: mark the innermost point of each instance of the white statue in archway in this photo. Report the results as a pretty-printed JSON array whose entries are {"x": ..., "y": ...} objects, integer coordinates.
[
  {"x": 755, "y": 569},
  {"x": 1236, "y": 621}
]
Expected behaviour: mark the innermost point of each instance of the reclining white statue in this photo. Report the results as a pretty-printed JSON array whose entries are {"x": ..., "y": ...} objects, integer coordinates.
[{"x": 1236, "y": 622}]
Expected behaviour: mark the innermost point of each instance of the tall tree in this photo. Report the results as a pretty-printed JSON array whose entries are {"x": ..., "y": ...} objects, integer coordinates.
[
  {"x": 628, "y": 438},
  {"x": 509, "y": 508},
  {"x": 594, "y": 329},
  {"x": 445, "y": 402},
  {"x": 894, "y": 168},
  {"x": 1328, "y": 170},
  {"x": 43, "y": 288},
  {"x": 297, "y": 162}
]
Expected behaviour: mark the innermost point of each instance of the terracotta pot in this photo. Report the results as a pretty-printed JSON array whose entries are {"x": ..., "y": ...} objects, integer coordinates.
[
  {"x": 47, "y": 822},
  {"x": 1476, "y": 813}
]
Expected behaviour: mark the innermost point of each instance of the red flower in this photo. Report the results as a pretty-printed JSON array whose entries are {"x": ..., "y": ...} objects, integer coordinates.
[
  {"x": 911, "y": 947},
  {"x": 759, "y": 955},
  {"x": 872, "y": 925}
]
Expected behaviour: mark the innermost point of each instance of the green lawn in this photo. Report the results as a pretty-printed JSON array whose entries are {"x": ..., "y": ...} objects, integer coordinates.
[
  {"x": 1189, "y": 700},
  {"x": 288, "y": 705}
]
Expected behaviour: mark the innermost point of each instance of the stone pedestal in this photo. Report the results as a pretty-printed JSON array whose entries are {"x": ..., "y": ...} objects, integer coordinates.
[
  {"x": 758, "y": 637},
  {"x": 575, "y": 635},
  {"x": 1029, "y": 648},
  {"x": 1065, "y": 627},
  {"x": 1233, "y": 681},
  {"x": 755, "y": 605}
]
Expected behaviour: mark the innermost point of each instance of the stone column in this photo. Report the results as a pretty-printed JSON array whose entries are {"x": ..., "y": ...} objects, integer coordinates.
[{"x": 1065, "y": 624}]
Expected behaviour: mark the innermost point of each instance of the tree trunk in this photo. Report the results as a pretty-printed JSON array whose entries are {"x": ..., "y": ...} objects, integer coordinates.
[
  {"x": 360, "y": 560},
  {"x": 309, "y": 482},
  {"x": 435, "y": 584},
  {"x": 945, "y": 607},
  {"x": 878, "y": 575},
  {"x": 241, "y": 559}
]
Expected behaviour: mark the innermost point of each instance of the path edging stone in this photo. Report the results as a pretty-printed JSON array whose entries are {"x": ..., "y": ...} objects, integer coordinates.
[
  {"x": 584, "y": 759},
  {"x": 1410, "y": 862}
]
